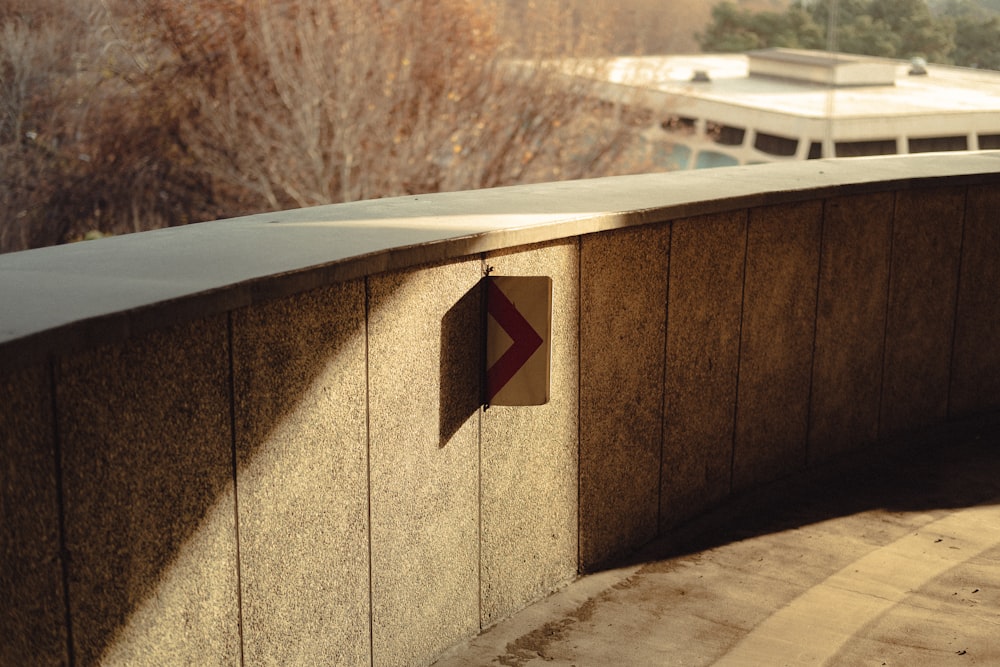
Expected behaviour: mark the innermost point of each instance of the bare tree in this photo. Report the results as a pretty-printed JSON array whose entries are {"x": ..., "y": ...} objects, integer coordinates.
[
  {"x": 87, "y": 141},
  {"x": 184, "y": 111},
  {"x": 36, "y": 49},
  {"x": 321, "y": 102}
]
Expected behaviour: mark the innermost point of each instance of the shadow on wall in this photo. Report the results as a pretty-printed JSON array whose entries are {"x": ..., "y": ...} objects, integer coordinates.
[
  {"x": 172, "y": 557},
  {"x": 462, "y": 361},
  {"x": 146, "y": 459},
  {"x": 299, "y": 368},
  {"x": 945, "y": 467},
  {"x": 143, "y": 467},
  {"x": 297, "y": 391},
  {"x": 204, "y": 489}
]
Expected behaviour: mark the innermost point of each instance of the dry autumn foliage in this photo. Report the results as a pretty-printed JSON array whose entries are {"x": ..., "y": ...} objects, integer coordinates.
[{"x": 120, "y": 116}]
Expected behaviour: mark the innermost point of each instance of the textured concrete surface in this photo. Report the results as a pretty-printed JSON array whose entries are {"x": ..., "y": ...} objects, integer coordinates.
[
  {"x": 707, "y": 256},
  {"x": 529, "y": 456},
  {"x": 975, "y": 374},
  {"x": 923, "y": 282},
  {"x": 33, "y": 612},
  {"x": 887, "y": 561},
  {"x": 424, "y": 488},
  {"x": 150, "y": 523},
  {"x": 143, "y": 419},
  {"x": 623, "y": 300},
  {"x": 776, "y": 342},
  {"x": 850, "y": 324},
  {"x": 299, "y": 380}
]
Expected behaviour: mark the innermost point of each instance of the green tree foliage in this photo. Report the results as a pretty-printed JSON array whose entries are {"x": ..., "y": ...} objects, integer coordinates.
[
  {"x": 977, "y": 28},
  {"x": 963, "y": 33},
  {"x": 734, "y": 29},
  {"x": 919, "y": 32}
]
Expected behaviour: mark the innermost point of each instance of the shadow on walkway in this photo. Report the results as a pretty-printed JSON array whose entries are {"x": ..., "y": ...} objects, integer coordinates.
[
  {"x": 890, "y": 557},
  {"x": 949, "y": 466}
]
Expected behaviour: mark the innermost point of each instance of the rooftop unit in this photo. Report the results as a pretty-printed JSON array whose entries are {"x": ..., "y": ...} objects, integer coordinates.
[{"x": 821, "y": 67}]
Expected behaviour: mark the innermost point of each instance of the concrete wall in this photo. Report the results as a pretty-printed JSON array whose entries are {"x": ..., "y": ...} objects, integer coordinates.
[{"x": 306, "y": 477}]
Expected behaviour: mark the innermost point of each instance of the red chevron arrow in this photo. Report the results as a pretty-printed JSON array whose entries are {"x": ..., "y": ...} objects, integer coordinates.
[{"x": 526, "y": 340}]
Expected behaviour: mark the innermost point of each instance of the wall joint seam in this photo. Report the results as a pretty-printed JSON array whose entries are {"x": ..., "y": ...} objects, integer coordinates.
[
  {"x": 888, "y": 311},
  {"x": 958, "y": 295},
  {"x": 663, "y": 382},
  {"x": 61, "y": 509},
  {"x": 366, "y": 286},
  {"x": 580, "y": 568},
  {"x": 739, "y": 349},
  {"x": 812, "y": 360},
  {"x": 485, "y": 270},
  {"x": 234, "y": 454}
]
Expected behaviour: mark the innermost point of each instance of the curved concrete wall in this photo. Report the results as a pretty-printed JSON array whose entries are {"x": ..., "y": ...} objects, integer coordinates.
[{"x": 258, "y": 441}]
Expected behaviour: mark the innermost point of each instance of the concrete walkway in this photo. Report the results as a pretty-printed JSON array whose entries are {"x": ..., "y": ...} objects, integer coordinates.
[{"x": 888, "y": 560}]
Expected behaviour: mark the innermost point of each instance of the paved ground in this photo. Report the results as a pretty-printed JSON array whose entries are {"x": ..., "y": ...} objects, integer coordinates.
[{"x": 891, "y": 560}]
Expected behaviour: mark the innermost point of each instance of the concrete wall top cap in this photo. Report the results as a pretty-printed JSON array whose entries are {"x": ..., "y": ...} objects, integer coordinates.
[{"x": 85, "y": 293}]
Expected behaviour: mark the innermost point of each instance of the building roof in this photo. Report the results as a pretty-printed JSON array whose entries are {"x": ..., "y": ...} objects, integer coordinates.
[
  {"x": 780, "y": 104},
  {"x": 738, "y": 80}
]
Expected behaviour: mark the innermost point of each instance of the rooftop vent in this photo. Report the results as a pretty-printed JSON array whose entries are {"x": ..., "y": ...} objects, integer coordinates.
[
  {"x": 918, "y": 67},
  {"x": 828, "y": 69}
]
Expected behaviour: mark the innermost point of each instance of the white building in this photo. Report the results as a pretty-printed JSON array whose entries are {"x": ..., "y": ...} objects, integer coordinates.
[{"x": 784, "y": 104}]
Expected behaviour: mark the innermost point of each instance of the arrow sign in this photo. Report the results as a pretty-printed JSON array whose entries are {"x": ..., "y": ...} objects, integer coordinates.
[{"x": 517, "y": 339}]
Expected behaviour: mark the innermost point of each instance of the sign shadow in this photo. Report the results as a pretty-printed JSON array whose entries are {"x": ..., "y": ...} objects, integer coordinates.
[{"x": 462, "y": 362}]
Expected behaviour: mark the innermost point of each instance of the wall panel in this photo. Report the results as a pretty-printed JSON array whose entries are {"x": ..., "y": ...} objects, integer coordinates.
[
  {"x": 850, "y": 324},
  {"x": 707, "y": 257},
  {"x": 975, "y": 375},
  {"x": 424, "y": 469},
  {"x": 33, "y": 612},
  {"x": 776, "y": 342},
  {"x": 529, "y": 456},
  {"x": 622, "y": 341},
  {"x": 926, "y": 242},
  {"x": 299, "y": 378},
  {"x": 150, "y": 521}
]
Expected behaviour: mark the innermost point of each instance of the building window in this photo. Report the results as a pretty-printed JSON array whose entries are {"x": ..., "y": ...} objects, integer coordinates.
[
  {"x": 725, "y": 135},
  {"x": 862, "y": 148},
  {"x": 989, "y": 142},
  {"x": 935, "y": 144},
  {"x": 773, "y": 144}
]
